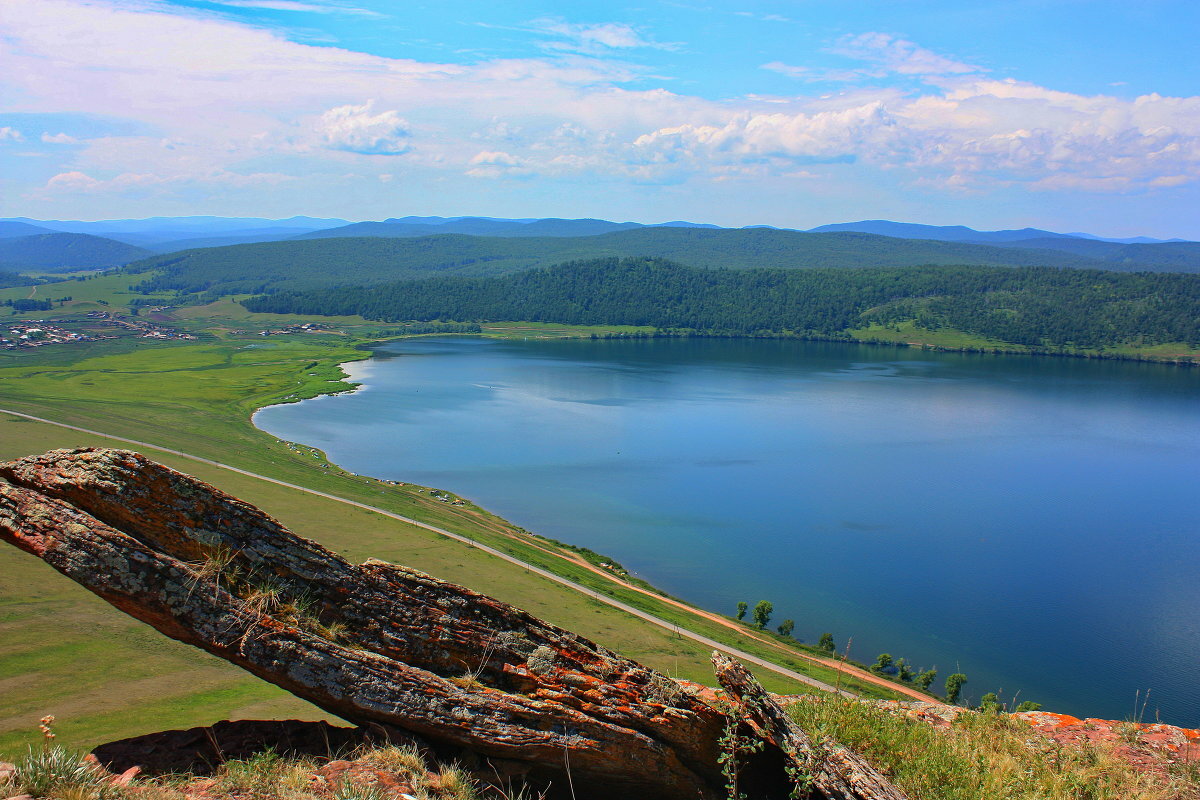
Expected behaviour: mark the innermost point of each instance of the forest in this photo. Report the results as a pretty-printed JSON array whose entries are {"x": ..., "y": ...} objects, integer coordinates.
[
  {"x": 1033, "y": 306},
  {"x": 316, "y": 263}
]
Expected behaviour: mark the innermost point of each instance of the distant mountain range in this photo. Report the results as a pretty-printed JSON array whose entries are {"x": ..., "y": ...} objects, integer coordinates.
[
  {"x": 487, "y": 226},
  {"x": 11, "y": 229},
  {"x": 960, "y": 233},
  {"x": 169, "y": 234},
  {"x": 64, "y": 244}
]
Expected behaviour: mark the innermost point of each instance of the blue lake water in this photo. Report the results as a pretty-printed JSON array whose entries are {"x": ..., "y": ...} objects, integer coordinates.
[{"x": 1031, "y": 522}]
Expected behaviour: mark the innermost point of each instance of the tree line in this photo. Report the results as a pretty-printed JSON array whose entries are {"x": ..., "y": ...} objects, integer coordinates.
[
  {"x": 885, "y": 664},
  {"x": 1035, "y": 306}
]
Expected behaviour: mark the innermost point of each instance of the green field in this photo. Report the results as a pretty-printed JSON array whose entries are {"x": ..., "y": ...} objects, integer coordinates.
[
  {"x": 948, "y": 338},
  {"x": 104, "y": 675},
  {"x": 104, "y": 292},
  {"x": 548, "y": 330}
]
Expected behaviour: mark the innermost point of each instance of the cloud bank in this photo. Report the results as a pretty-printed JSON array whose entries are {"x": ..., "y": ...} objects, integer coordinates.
[{"x": 243, "y": 106}]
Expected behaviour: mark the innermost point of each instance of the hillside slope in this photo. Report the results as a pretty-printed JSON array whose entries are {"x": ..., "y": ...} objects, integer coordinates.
[
  {"x": 296, "y": 265},
  {"x": 12, "y": 229},
  {"x": 1035, "y": 307},
  {"x": 65, "y": 251},
  {"x": 1165, "y": 256}
]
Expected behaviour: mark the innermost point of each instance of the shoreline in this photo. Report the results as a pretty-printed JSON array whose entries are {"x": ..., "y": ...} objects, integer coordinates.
[
  {"x": 990, "y": 350},
  {"x": 579, "y": 555},
  {"x": 575, "y": 554},
  {"x": 362, "y": 374},
  {"x": 352, "y": 387}
]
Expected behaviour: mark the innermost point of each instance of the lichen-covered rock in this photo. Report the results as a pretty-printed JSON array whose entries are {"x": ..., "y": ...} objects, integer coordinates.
[
  {"x": 391, "y": 649},
  {"x": 373, "y": 643}
]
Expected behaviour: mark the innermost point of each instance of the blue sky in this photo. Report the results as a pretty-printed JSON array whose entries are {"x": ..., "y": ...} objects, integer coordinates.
[{"x": 1064, "y": 115}]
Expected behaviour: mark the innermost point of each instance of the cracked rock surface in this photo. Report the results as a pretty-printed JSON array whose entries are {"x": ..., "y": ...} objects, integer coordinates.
[{"x": 386, "y": 647}]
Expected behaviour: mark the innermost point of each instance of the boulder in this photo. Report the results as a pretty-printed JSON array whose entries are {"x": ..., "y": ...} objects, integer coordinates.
[{"x": 380, "y": 645}]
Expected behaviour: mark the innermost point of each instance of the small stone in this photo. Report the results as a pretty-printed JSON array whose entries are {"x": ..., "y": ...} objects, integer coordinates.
[{"x": 126, "y": 777}]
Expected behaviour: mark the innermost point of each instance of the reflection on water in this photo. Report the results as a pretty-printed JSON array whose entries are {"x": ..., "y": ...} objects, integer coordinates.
[{"x": 1029, "y": 521}]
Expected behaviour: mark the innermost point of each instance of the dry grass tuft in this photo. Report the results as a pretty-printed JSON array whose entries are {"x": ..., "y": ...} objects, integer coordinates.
[
  {"x": 394, "y": 758},
  {"x": 266, "y": 775},
  {"x": 455, "y": 784},
  {"x": 212, "y": 568}
]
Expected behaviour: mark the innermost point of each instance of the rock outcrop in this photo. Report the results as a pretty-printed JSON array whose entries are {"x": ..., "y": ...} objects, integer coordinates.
[{"x": 375, "y": 643}]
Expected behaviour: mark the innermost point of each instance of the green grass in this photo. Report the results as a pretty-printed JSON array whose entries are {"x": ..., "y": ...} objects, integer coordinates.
[
  {"x": 1167, "y": 350},
  {"x": 228, "y": 309},
  {"x": 909, "y": 333},
  {"x": 89, "y": 294},
  {"x": 951, "y": 339},
  {"x": 106, "y": 676},
  {"x": 548, "y": 330},
  {"x": 985, "y": 756}
]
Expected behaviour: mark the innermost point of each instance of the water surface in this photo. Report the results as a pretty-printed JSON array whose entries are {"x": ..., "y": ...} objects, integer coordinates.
[{"x": 1031, "y": 522}]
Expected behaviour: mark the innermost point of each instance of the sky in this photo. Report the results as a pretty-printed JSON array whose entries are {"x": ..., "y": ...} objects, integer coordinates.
[{"x": 1071, "y": 115}]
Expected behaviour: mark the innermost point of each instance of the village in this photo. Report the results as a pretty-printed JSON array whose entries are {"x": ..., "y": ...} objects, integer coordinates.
[
  {"x": 38, "y": 333},
  {"x": 42, "y": 332},
  {"x": 307, "y": 327},
  {"x": 144, "y": 328}
]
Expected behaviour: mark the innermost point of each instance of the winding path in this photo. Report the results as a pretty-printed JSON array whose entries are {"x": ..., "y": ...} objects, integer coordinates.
[{"x": 592, "y": 593}]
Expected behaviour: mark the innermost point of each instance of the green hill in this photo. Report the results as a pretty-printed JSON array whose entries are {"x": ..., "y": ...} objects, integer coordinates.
[
  {"x": 12, "y": 229},
  {"x": 65, "y": 251},
  {"x": 1037, "y": 307},
  {"x": 1162, "y": 256},
  {"x": 295, "y": 265}
]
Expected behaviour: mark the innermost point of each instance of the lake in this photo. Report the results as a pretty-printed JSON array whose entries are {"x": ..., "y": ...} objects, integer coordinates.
[{"x": 1031, "y": 522}]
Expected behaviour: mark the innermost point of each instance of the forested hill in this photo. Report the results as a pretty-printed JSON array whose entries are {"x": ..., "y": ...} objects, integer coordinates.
[
  {"x": 1032, "y": 306},
  {"x": 13, "y": 279},
  {"x": 64, "y": 251},
  {"x": 254, "y": 268}
]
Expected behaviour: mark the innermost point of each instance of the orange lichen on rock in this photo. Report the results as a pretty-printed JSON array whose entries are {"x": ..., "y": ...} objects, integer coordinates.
[{"x": 1154, "y": 734}]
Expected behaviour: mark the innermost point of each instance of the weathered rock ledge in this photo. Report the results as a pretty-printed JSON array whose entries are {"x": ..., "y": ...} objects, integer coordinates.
[{"x": 392, "y": 649}]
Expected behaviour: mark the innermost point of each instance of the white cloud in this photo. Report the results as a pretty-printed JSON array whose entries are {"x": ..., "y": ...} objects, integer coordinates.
[
  {"x": 239, "y": 93},
  {"x": 899, "y": 56},
  {"x": 58, "y": 138},
  {"x": 817, "y": 74},
  {"x": 981, "y": 132},
  {"x": 599, "y": 37},
  {"x": 72, "y": 182},
  {"x": 242, "y": 106},
  {"x": 10, "y": 134},
  {"x": 294, "y": 5},
  {"x": 887, "y": 56},
  {"x": 825, "y": 136},
  {"x": 496, "y": 164},
  {"x": 356, "y": 130},
  {"x": 764, "y": 17},
  {"x": 76, "y": 182}
]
